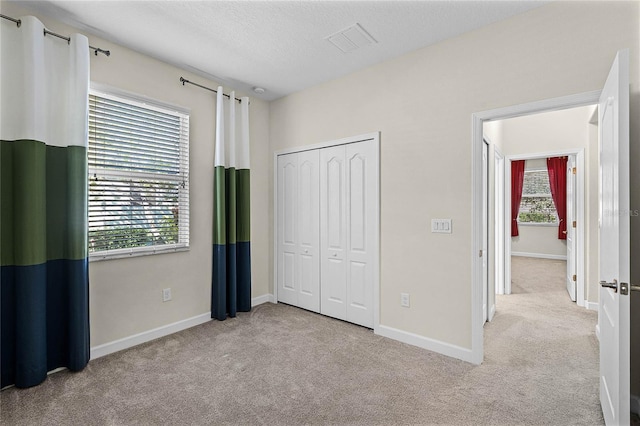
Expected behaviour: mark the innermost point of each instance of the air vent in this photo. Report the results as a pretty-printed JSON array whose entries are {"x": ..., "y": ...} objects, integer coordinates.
[{"x": 351, "y": 38}]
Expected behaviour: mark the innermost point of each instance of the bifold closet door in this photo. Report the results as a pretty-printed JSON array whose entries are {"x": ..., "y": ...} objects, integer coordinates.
[
  {"x": 299, "y": 230},
  {"x": 347, "y": 221}
]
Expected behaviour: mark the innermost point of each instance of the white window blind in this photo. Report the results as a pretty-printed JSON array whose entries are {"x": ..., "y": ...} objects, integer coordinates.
[
  {"x": 537, "y": 205},
  {"x": 138, "y": 177}
]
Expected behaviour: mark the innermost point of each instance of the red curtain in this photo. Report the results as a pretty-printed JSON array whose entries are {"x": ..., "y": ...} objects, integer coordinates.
[
  {"x": 557, "y": 167},
  {"x": 517, "y": 179}
]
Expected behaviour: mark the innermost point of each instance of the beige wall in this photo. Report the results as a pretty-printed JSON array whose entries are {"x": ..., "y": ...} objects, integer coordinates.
[
  {"x": 538, "y": 239},
  {"x": 126, "y": 294},
  {"x": 422, "y": 103}
]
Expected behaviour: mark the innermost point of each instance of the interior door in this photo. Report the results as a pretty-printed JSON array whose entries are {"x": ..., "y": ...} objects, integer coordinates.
[
  {"x": 308, "y": 223},
  {"x": 360, "y": 160},
  {"x": 333, "y": 239},
  {"x": 613, "y": 312},
  {"x": 287, "y": 274},
  {"x": 571, "y": 230},
  {"x": 485, "y": 231},
  {"x": 499, "y": 240}
]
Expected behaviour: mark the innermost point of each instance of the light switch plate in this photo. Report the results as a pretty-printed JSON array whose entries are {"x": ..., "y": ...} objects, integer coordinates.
[{"x": 441, "y": 226}]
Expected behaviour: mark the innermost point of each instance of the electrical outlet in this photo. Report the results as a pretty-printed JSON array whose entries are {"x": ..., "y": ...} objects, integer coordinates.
[
  {"x": 166, "y": 294},
  {"x": 404, "y": 300}
]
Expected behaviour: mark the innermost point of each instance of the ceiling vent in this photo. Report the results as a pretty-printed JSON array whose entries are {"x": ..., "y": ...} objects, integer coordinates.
[{"x": 351, "y": 38}]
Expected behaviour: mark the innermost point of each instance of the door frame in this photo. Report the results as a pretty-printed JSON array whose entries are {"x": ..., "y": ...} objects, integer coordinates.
[
  {"x": 500, "y": 227},
  {"x": 374, "y": 137},
  {"x": 477, "y": 120},
  {"x": 580, "y": 225}
]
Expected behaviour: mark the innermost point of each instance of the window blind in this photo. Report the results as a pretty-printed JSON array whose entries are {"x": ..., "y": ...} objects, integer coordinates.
[{"x": 138, "y": 159}]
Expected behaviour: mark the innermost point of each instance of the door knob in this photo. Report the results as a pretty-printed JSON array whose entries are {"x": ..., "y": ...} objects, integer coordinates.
[{"x": 613, "y": 285}]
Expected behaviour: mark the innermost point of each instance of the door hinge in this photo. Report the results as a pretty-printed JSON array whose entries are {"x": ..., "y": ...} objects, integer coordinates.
[
  {"x": 574, "y": 223},
  {"x": 480, "y": 253},
  {"x": 573, "y": 170},
  {"x": 574, "y": 277}
]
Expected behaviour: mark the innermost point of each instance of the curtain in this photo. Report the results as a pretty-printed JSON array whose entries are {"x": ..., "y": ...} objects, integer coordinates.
[
  {"x": 43, "y": 192},
  {"x": 517, "y": 180},
  {"x": 557, "y": 168},
  {"x": 231, "y": 279}
]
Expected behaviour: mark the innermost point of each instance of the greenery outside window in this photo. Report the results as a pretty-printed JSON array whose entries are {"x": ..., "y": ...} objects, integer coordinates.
[
  {"x": 138, "y": 176},
  {"x": 537, "y": 204}
]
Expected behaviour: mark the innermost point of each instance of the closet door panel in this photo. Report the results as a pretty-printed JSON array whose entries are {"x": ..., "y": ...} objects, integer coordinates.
[
  {"x": 309, "y": 230},
  {"x": 287, "y": 229},
  {"x": 333, "y": 232},
  {"x": 361, "y": 160}
]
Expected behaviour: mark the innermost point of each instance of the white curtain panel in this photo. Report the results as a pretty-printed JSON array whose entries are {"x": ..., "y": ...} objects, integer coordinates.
[{"x": 39, "y": 72}]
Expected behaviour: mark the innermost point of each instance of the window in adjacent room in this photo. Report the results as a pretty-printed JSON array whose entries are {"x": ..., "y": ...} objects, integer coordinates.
[
  {"x": 138, "y": 176},
  {"x": 537, "y": 204}
]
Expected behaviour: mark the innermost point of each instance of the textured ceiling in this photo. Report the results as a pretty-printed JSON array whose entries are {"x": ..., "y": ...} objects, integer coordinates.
[{"x": 278, "y": 45}]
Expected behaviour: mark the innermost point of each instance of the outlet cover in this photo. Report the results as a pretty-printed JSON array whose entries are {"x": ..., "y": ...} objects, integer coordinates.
[
  {"x": 404, "y": 300},
  {"x": 166, "y": 294}
]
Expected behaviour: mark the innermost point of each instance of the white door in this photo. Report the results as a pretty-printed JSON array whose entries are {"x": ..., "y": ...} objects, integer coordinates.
[
  {"x": 499, "y": 240},
  {"x": 308, "y": 221},
  {"x": 361, "y": 161},
  {"x": 485, "y": 231},
  {"x": 613, "y": 312},
  {"x": 333, "y": 240},
  {"x": 299, "y": 230},
  {"x": 347, "y": 217},
  {"x": 288, "y": 288},
  {"x": 571, "y": 229}
]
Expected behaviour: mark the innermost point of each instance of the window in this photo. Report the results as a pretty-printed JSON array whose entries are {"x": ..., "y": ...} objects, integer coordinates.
[
  {"x": 138, "y": 177},
  {"x": 537, "y": 204}
]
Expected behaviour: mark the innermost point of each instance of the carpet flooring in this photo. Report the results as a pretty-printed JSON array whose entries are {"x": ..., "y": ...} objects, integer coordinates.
[{"x": 282, "y": 365}]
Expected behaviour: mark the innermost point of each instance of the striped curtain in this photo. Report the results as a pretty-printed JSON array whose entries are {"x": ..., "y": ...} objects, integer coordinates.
[
  {"x": 231, "y": 280},
  {"x": 43, "y": 195}
]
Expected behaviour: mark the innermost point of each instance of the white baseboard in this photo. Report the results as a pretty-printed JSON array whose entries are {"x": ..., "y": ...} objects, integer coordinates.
[
  {"x": 165, "y": 330},
  {"x": 265, "y": 298},
  {"x": 635, "y": 404},
  {"x": 592, "y": 306},
  {"x": 540, "y": 255},
  {"x": 438, "y": 346},
  {"x": 145, "y": 336}
]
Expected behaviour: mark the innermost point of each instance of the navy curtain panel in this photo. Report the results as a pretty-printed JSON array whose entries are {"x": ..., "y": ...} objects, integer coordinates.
[
  {"x": 43, "y": 193},
  {"x": 231, "y": 277},
  {"x": 557, "y": 168},
  {"x": 517, "y": 180}
]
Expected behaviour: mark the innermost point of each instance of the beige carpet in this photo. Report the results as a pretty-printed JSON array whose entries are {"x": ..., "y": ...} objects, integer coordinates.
[{"x": 282, "y": 365}]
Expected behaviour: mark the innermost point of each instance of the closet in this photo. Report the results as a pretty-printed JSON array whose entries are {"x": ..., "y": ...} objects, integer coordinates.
[{"x": 327, "y": 210}]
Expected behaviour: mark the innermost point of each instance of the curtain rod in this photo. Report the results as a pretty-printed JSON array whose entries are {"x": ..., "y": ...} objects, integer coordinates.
[
  {"x": 68, "y": 39},
  {"x": 184, "y": 80}
]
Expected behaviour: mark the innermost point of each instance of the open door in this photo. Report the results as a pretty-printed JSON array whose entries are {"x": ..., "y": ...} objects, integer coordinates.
[
  {"x": 613, "y": 312},
  {"x": 485, "y": 232},
  {"x": 571, "y": 227}
]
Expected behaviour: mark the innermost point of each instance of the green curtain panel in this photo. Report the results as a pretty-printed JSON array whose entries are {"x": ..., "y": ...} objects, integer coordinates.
[
  {"x": 231, "y": 278},
  {"x": 43, "y": 198}
]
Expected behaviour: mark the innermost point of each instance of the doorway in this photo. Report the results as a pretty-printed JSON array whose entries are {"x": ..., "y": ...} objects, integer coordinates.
[{"x": 478, "y": 134}]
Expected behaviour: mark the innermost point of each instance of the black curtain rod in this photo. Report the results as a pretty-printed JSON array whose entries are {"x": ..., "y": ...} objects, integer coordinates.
[
  {"x": 184, "y": 80},
  {"x": 18, "y": 22}
]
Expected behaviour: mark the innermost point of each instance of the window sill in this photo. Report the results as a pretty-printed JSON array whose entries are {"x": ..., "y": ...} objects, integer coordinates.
[
  {"x": 555, "y": 225},
  {"x": 136, "y": 252}
]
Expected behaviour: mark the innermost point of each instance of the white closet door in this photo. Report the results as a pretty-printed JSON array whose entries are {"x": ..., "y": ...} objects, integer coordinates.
[
  {"x": 360, "y": 161},
  {"x": 333, "y": 236},
  {"x": 309, "y": 230},
  {"x": 288, "y": 288}
]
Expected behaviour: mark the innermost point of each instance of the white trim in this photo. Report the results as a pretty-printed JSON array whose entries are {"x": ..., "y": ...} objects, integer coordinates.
[
  {"x": 328, "y": 144},
  {"x": 477, "y": 119},
  {"x": 539, "y": 255},
  {"x": 438, "y": 346},
  {"x": 375, "y": 137},
  {"x": 598, "y": 331},
  {"x": 146, "y": 336},
  {"x": 635, "y": 404},
  {"x": 592, "y": 306},
  {"x": 265, "y": 298}
]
